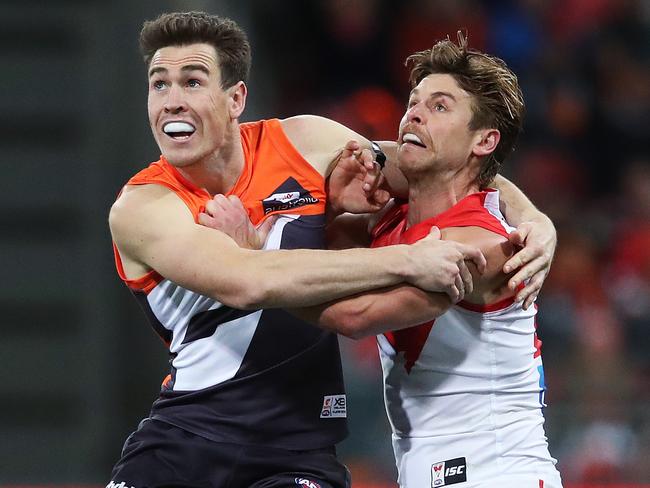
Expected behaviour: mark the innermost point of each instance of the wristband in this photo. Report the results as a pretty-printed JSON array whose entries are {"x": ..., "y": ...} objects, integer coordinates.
[{"x": 380, "y": 157}]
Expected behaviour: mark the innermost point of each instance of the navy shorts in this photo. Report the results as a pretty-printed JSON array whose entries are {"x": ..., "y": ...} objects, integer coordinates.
[{"x": 160, "y": 455}]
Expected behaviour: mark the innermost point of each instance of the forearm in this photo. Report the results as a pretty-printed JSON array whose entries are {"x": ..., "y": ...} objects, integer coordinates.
[
  {"x": 302, "y": 278},
  {"x": 516, "y": 206},
  {"x": 375, "y": 312}
]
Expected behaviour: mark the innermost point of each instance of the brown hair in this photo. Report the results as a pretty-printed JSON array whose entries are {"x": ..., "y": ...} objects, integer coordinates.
[
  {"x": 497, "y": 99},
  {"x": 183, "y": 28}
]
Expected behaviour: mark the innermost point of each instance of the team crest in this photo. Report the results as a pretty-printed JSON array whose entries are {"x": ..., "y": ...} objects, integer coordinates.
[{"x": 287, "y": 196}]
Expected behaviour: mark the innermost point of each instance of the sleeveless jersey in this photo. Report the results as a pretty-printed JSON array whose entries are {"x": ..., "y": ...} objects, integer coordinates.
[
  {"x": 251, "y": 377},
  {"x": 464, "y": 392}
]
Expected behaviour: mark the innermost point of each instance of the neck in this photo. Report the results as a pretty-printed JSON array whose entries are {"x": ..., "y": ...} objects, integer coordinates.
[
  {"x": 219, "y": 171},
  {"x": 432, "y": 194}
]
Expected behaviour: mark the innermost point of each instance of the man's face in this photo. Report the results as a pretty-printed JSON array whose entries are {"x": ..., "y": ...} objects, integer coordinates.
[
  {"x": 188, "y": 110},
  {"x": 434, "y": 132}
]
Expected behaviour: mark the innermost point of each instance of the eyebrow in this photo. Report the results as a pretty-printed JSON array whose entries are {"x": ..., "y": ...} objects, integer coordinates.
[
  {"x": 415, "y": 91},
  {"x": 188, "y": 67}
]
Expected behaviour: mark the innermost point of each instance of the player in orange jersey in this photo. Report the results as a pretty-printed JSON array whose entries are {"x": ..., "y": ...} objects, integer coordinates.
[{"x": 254, "y": 397}]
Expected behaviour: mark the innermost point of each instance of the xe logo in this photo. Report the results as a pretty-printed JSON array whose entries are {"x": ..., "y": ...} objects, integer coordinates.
[
  {"x": 334, "y": 406},
  {"x": 449, "y": 472}
]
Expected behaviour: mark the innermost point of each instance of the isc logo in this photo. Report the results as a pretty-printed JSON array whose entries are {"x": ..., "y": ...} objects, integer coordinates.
[{"x": 452, "y": 471}]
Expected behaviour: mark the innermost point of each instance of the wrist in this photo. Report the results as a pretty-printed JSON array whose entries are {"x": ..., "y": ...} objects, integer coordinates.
[
  {"x": 542, "y": 219},
  {"x": 406, "y": 265}
]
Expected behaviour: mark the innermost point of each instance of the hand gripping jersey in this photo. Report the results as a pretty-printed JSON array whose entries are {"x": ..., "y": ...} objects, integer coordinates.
[
  {"x": 464, "y": 394},
  {"x": 249, "y": 377}
]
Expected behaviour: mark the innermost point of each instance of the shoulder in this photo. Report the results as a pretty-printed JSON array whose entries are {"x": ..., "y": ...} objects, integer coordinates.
[
  {"x": 493, "y": 245},
  {"x": 304, "y": 125},
  {"x": 497, "y": 249},
  {"x": 140, "y": 208}
]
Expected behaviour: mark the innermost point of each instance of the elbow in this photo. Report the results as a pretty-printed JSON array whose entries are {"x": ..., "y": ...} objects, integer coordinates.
[
  {"x": 244, "y": 294},
  {"x": 352, "y": 324}
]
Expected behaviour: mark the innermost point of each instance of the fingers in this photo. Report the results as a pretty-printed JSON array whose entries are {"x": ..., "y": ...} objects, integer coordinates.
[
  {"x": 218, "y": 204},
  {"x": 373, "y": 177},
  {"x": 466, "y": 277},
  {"x": 526, "y": 272},
  {"x": 453, "y": 293},
  {"x": 475, "y": 255},
  {"x": 517, "y": 237},
  {"x": 529, "y": 293},
  {"x": 350, "y": 148},
  {"x": 522, "y": 258},
  {"x": 211, "y": 207},
  {"x": 460, "y": 286},
  {"x": 205, "y": 220},
  {"x": 264, "y": 228},
  {"x": 236, "y": 203}
]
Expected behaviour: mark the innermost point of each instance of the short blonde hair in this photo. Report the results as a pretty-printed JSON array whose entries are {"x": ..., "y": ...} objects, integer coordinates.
[{"x": 497, "y": 99}]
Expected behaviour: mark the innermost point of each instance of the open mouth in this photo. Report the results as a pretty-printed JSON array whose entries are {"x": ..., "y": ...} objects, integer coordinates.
[
  {"x": 410, "y": 138},
  {"x": 179, "y": 130}
]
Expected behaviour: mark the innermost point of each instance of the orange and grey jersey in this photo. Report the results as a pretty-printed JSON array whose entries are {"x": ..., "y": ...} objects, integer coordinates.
[
  {"x": 464, "y": 393},
  {"x": 253, "y": 377}
]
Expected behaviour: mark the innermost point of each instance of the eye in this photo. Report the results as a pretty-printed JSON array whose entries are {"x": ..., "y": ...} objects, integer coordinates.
[
  {"x": 158, "y": 85},
  {"x": 193, "y": 83},
  {"x": 439, "y": 107},
  {"x": 412, "y": 103}
]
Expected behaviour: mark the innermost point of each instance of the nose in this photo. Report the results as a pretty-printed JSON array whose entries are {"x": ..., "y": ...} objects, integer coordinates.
[
  {"x": 414, "y": 114},
  {"x": 175, "y": 102}
]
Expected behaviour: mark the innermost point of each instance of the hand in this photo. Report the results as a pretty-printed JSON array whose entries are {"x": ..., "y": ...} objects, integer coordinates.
[
  {"x": 440, "y": 265},
  {"x": 354, "y": 184},
  {"x": 538, "y": 240},
  {"x": 229, "y": 216}
]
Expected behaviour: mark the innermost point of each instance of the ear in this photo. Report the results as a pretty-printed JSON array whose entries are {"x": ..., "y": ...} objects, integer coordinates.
[
  {"x": 237, "y": 99},
  {"x": 486, "y": 142}
]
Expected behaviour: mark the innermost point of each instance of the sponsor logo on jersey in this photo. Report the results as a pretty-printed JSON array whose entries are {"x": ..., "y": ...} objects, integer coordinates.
[
  {"x": 334, "y": 406},
  {"x": 287, "y": 196},
  {"x": 122, "y": 484},
  {"x": 450, "y": 472},
  {"x": 306, "y": 483}
]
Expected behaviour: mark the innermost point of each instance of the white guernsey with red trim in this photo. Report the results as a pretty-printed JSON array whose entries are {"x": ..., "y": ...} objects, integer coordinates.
[{"x": 464, "y": 395}]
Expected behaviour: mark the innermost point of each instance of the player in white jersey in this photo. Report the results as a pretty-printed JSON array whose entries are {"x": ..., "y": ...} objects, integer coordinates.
[
  {"x": 464, "y": 391},
  {"x": 464, "y": 385}
]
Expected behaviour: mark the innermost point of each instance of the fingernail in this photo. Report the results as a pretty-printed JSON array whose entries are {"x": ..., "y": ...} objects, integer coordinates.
[{"x": 506, "y": 269}]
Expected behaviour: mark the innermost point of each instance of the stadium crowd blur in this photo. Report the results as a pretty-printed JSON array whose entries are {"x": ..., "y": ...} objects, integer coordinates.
[{"x": 583, "y": 158}]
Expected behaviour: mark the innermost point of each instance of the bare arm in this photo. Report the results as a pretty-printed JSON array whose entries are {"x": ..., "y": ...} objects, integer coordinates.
[
  {"x": 516, "y": 206},
  {"x": 402, "y": 306},
  {"x": 535, "y": 233},
  {"x": 320, "y": 140},
  {"x": 352, "y": 184},
  {"x": 153, "y": 229},
  {"x": 377, "y": 311}
]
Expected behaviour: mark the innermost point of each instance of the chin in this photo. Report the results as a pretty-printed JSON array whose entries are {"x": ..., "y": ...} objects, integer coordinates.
[{"x": 180, "y": 158}]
